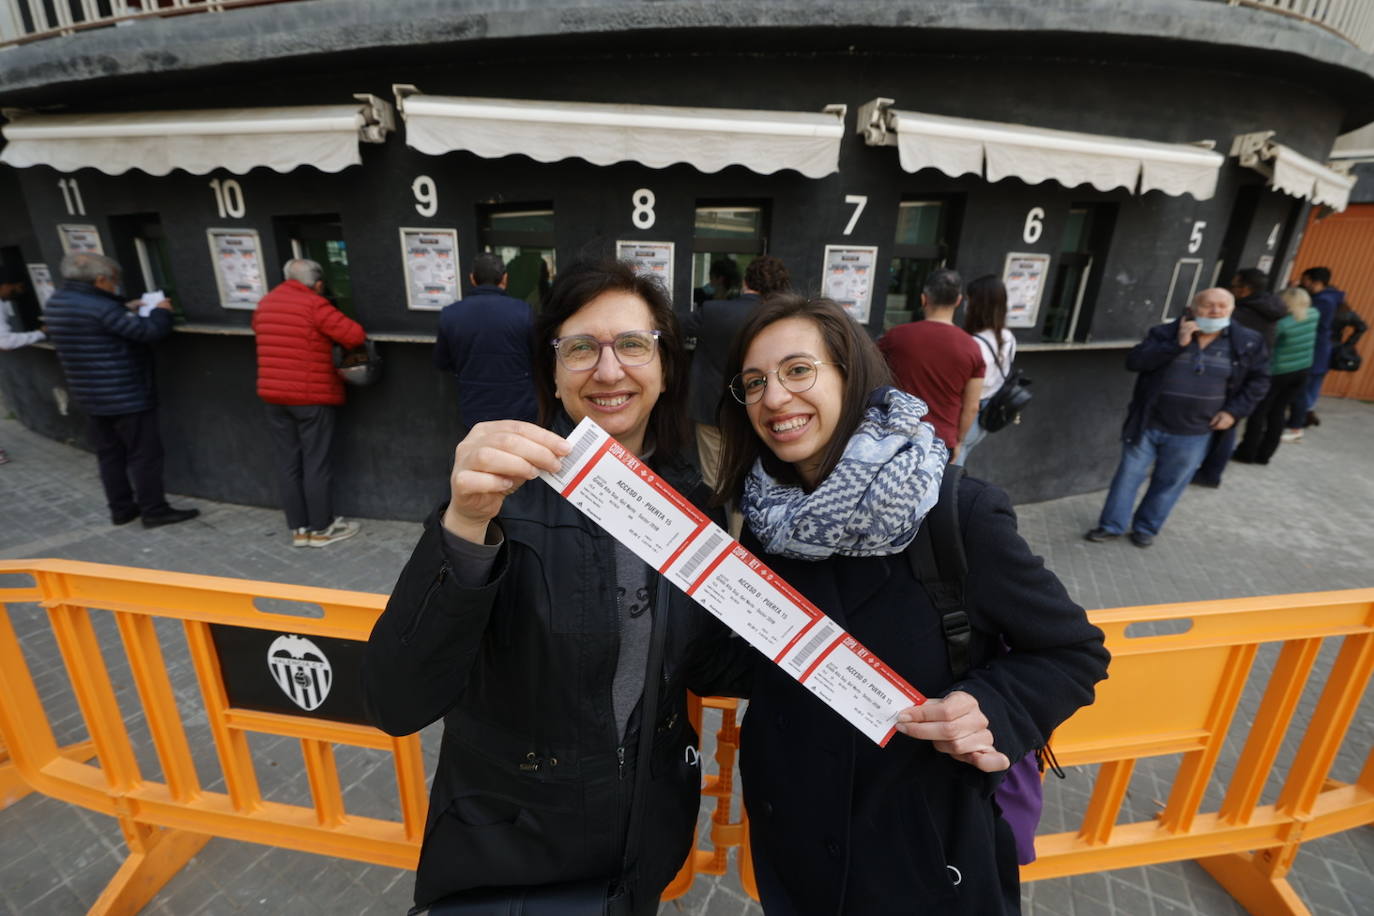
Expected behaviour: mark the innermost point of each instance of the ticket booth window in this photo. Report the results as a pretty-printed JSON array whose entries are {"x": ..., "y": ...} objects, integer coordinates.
[
  {"x": 319, "y": 238},
  {"x": 141, "y": 248},
  {"x": 23, "y": 314},
  {"x": 921, "y": 245},
  {"x": 729, "y": 236},
  {"x": 1082, "y": 251},
  {"x": 523, "y": 237}
]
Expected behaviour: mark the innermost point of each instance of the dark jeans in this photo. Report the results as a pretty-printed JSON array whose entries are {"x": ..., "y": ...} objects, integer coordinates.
[
  {"x": 1265, "y": 426},
  {"x": 301, "y": 437},
  {"x": 1219, "y": 449},
  {"x": 130, "y": 446}
]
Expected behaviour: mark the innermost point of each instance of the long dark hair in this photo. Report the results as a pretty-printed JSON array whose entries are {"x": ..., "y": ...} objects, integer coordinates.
[
  {"x": 987, "y": 308},
  {"x": 847, "y": 343},
  {"x": 578, "y": 284}
]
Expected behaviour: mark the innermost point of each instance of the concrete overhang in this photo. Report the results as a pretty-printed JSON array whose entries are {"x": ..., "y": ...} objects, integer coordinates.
[{"x": 1206, "y": 33}]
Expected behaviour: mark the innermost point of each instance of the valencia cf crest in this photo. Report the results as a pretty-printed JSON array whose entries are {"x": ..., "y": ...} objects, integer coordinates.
[{"x": 301, "y": 670}]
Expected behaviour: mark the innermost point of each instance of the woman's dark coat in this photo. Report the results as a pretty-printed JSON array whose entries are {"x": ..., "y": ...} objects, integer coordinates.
[
  {"x": 530, "y": 786},
  {"x": 839, "y": 825}
]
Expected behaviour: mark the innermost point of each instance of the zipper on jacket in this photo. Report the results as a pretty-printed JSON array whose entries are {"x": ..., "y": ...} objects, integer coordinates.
[
  {"x": 424, "y": 603},
  {"x": 620, "y": 759}
]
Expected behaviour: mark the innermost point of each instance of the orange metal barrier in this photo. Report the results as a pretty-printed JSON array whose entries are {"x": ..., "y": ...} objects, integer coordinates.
[{"x": 1174, "y": 693}]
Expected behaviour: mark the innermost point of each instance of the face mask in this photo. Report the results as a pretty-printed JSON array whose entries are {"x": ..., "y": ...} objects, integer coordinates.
[{"x": 1212, "y": 325}]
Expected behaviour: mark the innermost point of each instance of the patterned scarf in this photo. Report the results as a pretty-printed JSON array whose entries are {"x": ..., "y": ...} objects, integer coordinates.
[{"x": 871, "y": 504}]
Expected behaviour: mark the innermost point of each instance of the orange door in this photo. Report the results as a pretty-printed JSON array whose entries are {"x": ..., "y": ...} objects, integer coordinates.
[{"x": 1344, "y": 242}]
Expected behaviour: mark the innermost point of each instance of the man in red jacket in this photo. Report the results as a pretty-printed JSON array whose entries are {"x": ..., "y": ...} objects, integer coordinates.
[{"x": 296, "y": 328}]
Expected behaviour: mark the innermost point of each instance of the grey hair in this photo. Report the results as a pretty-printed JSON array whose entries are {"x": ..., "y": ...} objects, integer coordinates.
[
  {"x": 87, "y": 267},
  {"x": 303, "y": 270}
]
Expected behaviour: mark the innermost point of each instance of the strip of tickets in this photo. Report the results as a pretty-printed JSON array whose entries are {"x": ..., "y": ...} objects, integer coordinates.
[{"x": 636, "y": 507}]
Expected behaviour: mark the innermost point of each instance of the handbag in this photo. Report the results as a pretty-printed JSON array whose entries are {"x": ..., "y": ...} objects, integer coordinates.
[
  {"x": 589, "y": 896},
  {"x": 1004, "y": 407},
  {"x": 360, "y": 366},
  {"x": 1345, "y": 358}
]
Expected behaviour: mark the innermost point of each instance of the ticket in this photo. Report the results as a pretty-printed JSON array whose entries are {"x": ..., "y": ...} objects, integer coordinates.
[{"x": 640, "y": 510}]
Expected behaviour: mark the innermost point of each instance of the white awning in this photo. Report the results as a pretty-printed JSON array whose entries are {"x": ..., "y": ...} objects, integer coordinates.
[
  {"x": 1291, "y": 172},
  {"x": 235, "y": 139},
  {"x": 962, "y": 146},
  {"x": 708, "y": 139}
]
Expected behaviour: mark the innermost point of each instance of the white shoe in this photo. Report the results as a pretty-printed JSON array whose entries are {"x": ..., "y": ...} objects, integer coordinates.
[
  {"x": 300, "y": 537},
  {"x": 1291, "y": 435},
  {"x": 338, "y": 530}
]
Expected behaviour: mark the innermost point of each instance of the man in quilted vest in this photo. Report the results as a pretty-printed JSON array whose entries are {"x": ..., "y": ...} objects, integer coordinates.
[
  {"x": 296, "y": 328},
  {"x": 104, "y": 348}
]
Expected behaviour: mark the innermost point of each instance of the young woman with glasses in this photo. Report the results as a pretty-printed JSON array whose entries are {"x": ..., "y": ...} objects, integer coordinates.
[
  {"x": 529, "y": 629},
  {"x": 834, "y": 471}
]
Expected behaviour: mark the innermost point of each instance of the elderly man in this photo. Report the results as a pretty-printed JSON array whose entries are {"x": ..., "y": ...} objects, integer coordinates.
[
  {"x": 296, "y": 328},
  {"x": 1198, "y": 374},
  {"x": 102, "y": 344}
]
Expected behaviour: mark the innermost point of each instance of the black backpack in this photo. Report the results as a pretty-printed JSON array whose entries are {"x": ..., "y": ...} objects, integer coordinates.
[
  {"x": 1004, "y": 407},
  {"x": 1345, "y": 358}
]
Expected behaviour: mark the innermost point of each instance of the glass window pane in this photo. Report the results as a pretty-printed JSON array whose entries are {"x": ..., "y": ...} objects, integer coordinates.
[
  {"x": 1075, "y": 231},
  {"x": 918, "y": 222},
  {"x": 729, "y": 222},
  {"x": 522, "y": 221}
]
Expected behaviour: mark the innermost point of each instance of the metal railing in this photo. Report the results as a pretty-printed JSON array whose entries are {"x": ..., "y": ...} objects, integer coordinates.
[{"x": 31, "y": 20}]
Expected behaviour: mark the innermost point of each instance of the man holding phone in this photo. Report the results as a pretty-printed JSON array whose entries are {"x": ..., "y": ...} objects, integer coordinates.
[{"x": 1198, "y": 374}]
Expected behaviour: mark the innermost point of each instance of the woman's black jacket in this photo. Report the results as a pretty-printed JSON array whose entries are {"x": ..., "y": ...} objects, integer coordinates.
[{"x": 533, "y": 782}]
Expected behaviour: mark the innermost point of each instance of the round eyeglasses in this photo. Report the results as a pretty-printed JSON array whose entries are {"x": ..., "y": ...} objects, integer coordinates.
[
  {"x": 581, "y": 352},
  {"x": 796, "y": 375}
]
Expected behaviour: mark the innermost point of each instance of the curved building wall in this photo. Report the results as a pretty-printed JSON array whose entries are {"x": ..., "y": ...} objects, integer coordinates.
[{"x": 395, "y": 439}]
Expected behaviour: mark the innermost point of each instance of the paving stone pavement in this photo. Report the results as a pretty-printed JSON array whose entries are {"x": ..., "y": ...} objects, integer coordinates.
[{"x": 1301, "y": 524}]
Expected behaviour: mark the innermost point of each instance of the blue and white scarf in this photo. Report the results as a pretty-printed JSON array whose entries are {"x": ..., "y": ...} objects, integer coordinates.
[{"x": 871, "y": 504}]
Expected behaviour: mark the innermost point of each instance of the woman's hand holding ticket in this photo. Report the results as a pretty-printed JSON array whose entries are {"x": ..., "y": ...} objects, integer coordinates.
[
  {"x": 957, "y": 727},
  {"x": 491, "y": 463}
]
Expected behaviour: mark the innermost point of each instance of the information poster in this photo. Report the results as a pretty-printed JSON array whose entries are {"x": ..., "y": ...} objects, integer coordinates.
[
  {"x": 650, "y": 259},
  {"x": 1024, "y": 276},
  {"x": 41, "y": 279},
  {"x": 848, "y": 278},
  {"x": 433, "y": 279},
  {"x": 237, "y": 256},
  {"x": 637, "y": 508},
  {"x": 77, "y": 238}
]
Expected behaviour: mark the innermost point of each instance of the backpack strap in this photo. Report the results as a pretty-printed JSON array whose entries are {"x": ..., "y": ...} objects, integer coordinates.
[{"x": 938, "y": 561}]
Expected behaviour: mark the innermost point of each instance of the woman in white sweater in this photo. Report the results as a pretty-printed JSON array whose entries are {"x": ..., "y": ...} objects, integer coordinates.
[{"x": 985, "y": 318}]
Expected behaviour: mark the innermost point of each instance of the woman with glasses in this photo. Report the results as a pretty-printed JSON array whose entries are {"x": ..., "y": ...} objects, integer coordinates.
[
  {"x": 534, "y": 634},
  {"x": 834, "y": 471}
]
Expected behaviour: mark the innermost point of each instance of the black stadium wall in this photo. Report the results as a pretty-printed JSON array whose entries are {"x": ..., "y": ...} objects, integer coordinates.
[{"x": 395, "y": 440}]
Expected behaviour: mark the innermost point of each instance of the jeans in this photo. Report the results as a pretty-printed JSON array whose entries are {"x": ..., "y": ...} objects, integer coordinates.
[
  {"x": 1174, "y": 459},
  {"x": 975, "y": 434},
  {"x": 1314, "y": 390},
  {"x": 1219, "y": 449}
]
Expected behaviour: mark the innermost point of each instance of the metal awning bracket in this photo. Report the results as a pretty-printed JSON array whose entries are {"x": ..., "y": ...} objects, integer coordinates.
[{"x": 873, "y": 123}]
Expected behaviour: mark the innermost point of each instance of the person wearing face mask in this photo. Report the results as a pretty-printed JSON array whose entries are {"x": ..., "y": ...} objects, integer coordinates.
[{"x": 1197, "y": 374}]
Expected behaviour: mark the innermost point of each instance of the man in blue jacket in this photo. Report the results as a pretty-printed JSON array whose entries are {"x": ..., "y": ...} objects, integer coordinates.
[
  {"x": 1326, "y": 299},
  {"x": 484, "y": 340},
  {"x": 103, "y": 347},
  {"x": 1198, "y": 374}
]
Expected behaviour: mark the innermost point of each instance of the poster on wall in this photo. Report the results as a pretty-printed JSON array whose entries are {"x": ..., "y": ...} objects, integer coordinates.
[
  {"x": 431, "y": 265},
  {"x": 79, "y": 238},
  {"x": 1024, "y": 276},
  {"x": 650, "y": 259},
  {"x": 237, "y": 256},
  {"x": 848, "y": 277},
  {"x": 41, "y": 280}
]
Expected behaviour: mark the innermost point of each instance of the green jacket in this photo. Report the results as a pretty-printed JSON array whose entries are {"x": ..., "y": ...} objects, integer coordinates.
[{"x": 1294, "y": 343}]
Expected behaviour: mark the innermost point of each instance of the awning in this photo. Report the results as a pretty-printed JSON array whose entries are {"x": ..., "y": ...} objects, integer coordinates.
[
  {"x": 235, "y": 139},
  {"x": 1291, "y": 172},
  {"x": 708, "y": 139},
  {"x": 962, "y": 146}
]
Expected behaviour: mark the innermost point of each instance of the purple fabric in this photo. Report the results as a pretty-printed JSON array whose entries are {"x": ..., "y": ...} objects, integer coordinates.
[{"x": 1021, "y": 796}]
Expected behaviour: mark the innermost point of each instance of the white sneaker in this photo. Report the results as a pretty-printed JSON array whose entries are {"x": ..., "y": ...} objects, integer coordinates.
[
  {"x": 300, "y": 537},
  {"x": 338, "y": 530},
  {"x": 1291, "y": 435}
]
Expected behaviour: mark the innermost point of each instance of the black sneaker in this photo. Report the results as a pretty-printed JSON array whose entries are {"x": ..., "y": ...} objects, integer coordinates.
[
  {"x": 1206, "y": 482},
  {"x": 1098, "y": 535},
  {"x": 169, "y": 516},
  {"x": 1141, "y": 539}
]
